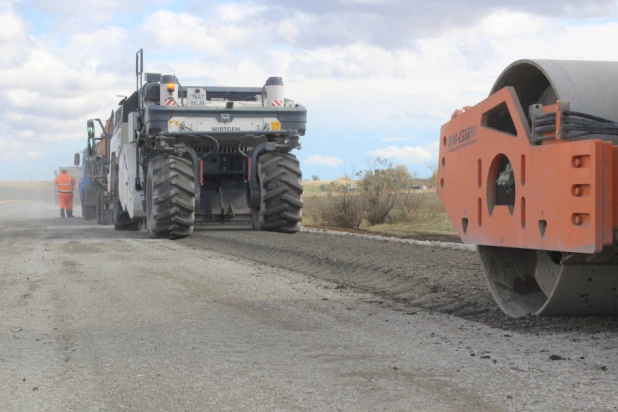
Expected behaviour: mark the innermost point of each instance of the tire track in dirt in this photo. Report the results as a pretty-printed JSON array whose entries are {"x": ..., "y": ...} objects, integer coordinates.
[{"x": 429, "y": 276}]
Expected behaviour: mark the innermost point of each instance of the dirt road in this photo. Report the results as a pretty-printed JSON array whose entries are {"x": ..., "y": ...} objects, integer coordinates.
[{"x": 93, "y": 319}]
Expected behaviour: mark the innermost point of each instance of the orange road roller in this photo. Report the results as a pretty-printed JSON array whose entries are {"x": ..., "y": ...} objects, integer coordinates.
[{"x": 530, "y": 175}]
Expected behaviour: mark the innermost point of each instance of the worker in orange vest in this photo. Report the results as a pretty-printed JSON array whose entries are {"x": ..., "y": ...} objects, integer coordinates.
[{"x": 65, "y": 184}]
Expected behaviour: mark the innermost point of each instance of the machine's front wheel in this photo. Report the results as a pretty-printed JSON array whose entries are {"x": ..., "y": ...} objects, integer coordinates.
[
  {"x": 170, "y": 197},
  {"x": 281, "y": 190}
]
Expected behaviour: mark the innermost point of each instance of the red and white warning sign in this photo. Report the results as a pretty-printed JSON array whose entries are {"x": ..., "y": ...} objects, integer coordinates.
[
  {"x": 277, "y": 103},
  {"x": 170, "y": 102}
]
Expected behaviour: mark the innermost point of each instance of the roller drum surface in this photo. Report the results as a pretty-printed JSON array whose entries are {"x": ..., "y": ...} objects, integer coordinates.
[
  {"x": 525, "y": 282},
  {"x": 589, "y": 86}
]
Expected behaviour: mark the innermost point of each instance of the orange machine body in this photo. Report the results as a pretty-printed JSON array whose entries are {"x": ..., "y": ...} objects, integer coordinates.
[{"x": 565, "y": 192}]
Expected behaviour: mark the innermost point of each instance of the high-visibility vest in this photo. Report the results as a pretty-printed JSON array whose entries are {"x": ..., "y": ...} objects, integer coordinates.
[{"x": 65, "y": 182}]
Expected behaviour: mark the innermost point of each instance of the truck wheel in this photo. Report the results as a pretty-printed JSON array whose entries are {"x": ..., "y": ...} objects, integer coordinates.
[
  {"x": 99, "y": 208},
  {"x": 170, "y": 197},
  {"x": 89, "y": 212},
  {"x": 104, "y": 215},
  {"x": 281, "y": 190}
]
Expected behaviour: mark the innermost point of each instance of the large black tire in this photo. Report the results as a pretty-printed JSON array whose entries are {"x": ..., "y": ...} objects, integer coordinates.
[
  {"x": 120, "y": 218},
  {"x": 89, "y": 212},
  {"x": 281, "y": 204},
  {"x": 170, "y": 197},
  {"x": 99, "y": 208},
  {"x": 103, "y": 216}
]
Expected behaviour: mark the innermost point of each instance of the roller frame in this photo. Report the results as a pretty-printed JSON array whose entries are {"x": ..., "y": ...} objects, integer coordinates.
[
  {"x": 551, "y": 250},
  {"x": 548, "y": 178}
]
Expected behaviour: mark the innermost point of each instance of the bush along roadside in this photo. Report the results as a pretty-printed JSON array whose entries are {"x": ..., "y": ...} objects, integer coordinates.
[{"x": 380, "y": 194}]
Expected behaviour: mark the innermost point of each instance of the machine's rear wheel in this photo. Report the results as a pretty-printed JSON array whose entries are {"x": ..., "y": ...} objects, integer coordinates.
[
  {"x": 98, "y": 211},
  {"x": 529, "y": 282},
  {"x": 104, "y": 217},
  {"x": 281, "y": 187},
  {"x": 100, "y": 218},
  {"x": 170, "y": 197},
  {"x": 89, "y": 212}
]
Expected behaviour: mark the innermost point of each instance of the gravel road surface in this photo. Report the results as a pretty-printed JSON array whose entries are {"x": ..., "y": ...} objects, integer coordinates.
[
  {"x": 97, "y": 320},
  {"x": 441, "y": 277}
]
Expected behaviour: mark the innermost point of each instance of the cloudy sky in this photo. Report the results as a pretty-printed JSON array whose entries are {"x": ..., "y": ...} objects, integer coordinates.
[{"x": 379, "y": 77}]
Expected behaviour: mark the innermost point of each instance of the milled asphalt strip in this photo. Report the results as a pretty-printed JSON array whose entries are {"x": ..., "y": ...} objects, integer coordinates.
[{"x": 448, "y": 245}]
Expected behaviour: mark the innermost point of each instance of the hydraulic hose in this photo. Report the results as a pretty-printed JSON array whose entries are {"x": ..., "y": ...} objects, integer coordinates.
[
  {"x": 241, "y": 140},
  {"x": 573, "y": 121},
  {"x": 198, "y": 135}
]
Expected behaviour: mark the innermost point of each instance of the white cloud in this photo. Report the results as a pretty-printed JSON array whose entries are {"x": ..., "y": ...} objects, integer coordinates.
[
  {"x": 399, "y": 23},
  {"x": 406, "y": 154},
  {"x": 13, "y": 28},
  {"x": 329, "y": 161},
  {"x": 74, "y": 15},
  {"x": 238, "y": 13},
  {"x": 52, "y": 84},
  {"x": 31, "y": 154},
  {"x": 10, "y": 149},
  {"x": 396, "y": 139}
]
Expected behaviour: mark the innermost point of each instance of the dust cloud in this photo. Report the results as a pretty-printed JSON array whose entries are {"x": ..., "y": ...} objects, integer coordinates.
[{"x": 31, "y": 200}]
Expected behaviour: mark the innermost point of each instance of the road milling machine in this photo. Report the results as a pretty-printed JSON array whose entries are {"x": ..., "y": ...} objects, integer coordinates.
[
  {"x": 185, "y": 156},
  {"x": 530, "y": 175},
  {"x": 95, "y": 171}
]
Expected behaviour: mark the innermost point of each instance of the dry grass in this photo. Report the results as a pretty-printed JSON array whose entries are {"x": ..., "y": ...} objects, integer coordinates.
[
  {"x": 429, "y": 218},
  {"x": 314, "y": 203},
  {"x": 313, "y": 186}
]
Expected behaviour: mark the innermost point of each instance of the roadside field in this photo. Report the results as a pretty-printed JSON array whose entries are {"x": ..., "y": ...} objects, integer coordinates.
[{"x": 429, "y": 218}]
